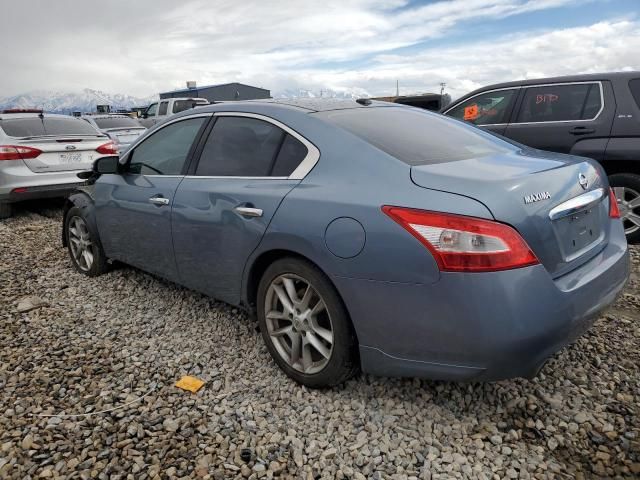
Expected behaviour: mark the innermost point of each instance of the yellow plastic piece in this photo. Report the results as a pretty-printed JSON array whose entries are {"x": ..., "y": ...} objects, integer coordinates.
[{"x": 191, "y": 384}]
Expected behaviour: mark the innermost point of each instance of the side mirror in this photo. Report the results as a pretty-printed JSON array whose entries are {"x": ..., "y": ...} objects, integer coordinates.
[{"x": 106, "y": 165}]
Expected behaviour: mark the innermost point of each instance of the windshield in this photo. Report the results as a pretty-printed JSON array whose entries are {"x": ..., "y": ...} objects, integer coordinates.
[
  {"x": 36, "y": 126},
  {"x": 416, "y": 136},
  {"x": 117, "y": 122}
]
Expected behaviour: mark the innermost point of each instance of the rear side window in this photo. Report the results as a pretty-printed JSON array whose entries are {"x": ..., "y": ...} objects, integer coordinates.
[
  {"x": 163, "y": 108},
  {"x": 417, "y": 137},
  {"x": 36, "y": 126},
  {"x": 292, "y": 152},
  {"x": 240, "y": 147},
  {"x": 486, "y": 108},
  {"x": 182, "y": 105},
  {"x": 556, "y": 103},
  {"x": 634, "y": 85},
  {"x": 165, "y": 152}
]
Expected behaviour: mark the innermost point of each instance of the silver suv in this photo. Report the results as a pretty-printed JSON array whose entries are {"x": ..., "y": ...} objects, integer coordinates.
[{"x": 41, "y": 153}]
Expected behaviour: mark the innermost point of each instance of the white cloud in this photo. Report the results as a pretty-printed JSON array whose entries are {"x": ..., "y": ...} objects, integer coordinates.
[{"x": 142, "y": 47}]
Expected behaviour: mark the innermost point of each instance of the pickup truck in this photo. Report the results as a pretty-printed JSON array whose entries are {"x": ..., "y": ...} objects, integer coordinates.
[
  {"x": 158, "y": 111},
  {"x": 592, "y": 115}
]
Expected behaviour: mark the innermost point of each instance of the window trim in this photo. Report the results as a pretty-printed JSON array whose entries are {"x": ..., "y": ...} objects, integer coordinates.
[
  {"x": 301, "y": 171},
  {"x": 124, "y": 160},
  {"x": 517, "y": 88},
  {"x": 524, "y": 87}
]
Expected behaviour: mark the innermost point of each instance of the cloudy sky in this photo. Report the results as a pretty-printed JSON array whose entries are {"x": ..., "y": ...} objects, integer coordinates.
[{"x": 143, "y": 47}]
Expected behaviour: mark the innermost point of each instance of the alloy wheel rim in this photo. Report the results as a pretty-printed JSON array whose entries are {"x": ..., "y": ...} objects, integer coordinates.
[
  {"x": 80, "y": 243},
  {"x": 299, "y": 324},
  {"x": 629, "y": 206}
]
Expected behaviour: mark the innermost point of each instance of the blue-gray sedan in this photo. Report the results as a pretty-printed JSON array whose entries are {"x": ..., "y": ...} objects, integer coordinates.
[{"x": 363, "y": 235}]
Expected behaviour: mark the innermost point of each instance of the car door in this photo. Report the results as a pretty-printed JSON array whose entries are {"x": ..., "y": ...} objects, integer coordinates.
[
  {"x": 565, "y": 118},
  {"x": 489, "y": 110},
  {"x": 247, "y": 164},
  {"x": 149, "y": 116},
  {"x": 133, "y": 209}
]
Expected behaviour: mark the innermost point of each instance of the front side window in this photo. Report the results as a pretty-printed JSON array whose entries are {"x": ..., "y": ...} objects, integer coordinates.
[
  {"x": 240, "y": 147},
  {"x": 165, "y": 152},
  {"x": 634, "y": 85},
  {"x": 163, "y": 108},
  {"x": 486, "y": 108},
  {"x": 153, "y": 108},
  {"x": 557, "y": 103}
]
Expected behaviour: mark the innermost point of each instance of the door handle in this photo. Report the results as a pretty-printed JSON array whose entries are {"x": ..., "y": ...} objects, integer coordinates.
[
  {"x": 248, "y": 211},
  {"x": 581, "y": 130},
  {"x": 159, "y": 201}
]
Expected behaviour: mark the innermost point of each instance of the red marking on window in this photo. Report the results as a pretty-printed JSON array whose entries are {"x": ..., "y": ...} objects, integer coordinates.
[{"x": 546, "y": 98}]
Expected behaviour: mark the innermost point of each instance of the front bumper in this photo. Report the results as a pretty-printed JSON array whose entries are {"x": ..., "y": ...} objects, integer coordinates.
[
  {"x": 485, "y": 326},
  {"x": 18, "y": 183}
]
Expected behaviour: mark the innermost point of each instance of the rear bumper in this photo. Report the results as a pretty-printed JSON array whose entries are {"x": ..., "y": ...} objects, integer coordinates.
[
  {"x": 18, "y": 183},
  {"x": 485, "y": 326}
]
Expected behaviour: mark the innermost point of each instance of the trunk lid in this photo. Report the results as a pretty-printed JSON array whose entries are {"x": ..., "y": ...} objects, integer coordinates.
[
  {"x": 63, "y": 154},
  {"x": 522, "y": 188},
  {"x": 125, "y": 136}
]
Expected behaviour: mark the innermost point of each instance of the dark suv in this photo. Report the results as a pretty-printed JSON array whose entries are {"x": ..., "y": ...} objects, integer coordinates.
[{"x": 594, "y": 115}]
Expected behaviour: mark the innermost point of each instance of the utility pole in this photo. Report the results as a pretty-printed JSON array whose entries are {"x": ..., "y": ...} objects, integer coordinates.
[
  {"x": 442, "y": 85},
  {"x": 397, "y": 89}
]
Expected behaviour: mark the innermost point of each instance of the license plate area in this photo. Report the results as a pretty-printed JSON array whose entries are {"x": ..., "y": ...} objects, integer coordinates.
[
  {"x": 579, "y": 232},
  {"x": 71, "y": 157}
]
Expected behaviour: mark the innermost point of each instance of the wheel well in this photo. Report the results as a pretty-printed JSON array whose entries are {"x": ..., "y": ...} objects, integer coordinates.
[
  {"x": 260, "y": 266},
  {"x": 67, "y": 206},
  {"x": 621, "y": 166}
]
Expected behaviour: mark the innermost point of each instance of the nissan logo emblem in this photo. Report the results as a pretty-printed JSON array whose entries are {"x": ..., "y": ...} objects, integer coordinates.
[{"x": 584, "y": 183}]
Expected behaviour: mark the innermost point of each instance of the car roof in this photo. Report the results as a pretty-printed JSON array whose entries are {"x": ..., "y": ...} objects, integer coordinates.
[
  {"x": 310, "y": 105},
  {"x": 585, "y": 77}
]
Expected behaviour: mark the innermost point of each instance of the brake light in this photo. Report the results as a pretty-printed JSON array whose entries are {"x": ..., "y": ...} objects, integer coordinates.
[
  {"x": 614, "y": 211},
  {"x": 108, "y": 148},
  {"x": 18, "y": 152},
  {"x": 465, "y": 244}
]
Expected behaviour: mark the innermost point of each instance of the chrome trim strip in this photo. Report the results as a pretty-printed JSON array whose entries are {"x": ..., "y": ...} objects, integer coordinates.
[
  {"x": 307, "y": 164},
  {"x": 237, "y": 178},
  {"x": 576, "y": 204}
]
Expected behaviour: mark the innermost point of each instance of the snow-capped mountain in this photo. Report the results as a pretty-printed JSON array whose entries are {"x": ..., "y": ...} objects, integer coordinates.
[
  {"x": 321, "y": 93},
  {"x": 67, "y": 102}
]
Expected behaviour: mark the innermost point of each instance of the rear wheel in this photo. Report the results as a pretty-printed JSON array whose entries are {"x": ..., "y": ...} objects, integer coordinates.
[
  {"x": 305, "y": 325},
  {"x": 83, "y": 244},
  {"x": 5, "y": 210},
  {"x": 626, "y": 187}
]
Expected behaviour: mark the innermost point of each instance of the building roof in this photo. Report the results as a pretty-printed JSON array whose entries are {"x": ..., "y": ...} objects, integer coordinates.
[{"x": 187, "y": 90}]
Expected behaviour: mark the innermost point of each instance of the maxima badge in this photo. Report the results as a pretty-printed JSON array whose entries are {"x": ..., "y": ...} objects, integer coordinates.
[{"x": 536, "y": 197}]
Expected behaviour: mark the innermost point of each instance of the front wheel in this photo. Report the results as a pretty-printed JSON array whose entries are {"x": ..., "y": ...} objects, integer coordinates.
[
  {"x": 83, "y": 244},
  {"x": 305, "y": 324},
  {"x": 626, "y": 187}
]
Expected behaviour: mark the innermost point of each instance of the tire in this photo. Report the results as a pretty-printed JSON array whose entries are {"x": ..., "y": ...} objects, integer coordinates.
[
  {"x": 78, "y": 230},
  {"x": 626, "y": 186},
  {"x": 314, "y": 369},
  {"x": 5, "y": 210}
]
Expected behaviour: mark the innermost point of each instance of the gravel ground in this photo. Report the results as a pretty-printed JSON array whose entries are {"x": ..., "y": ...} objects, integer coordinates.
[{"x": 121, "y": 341}]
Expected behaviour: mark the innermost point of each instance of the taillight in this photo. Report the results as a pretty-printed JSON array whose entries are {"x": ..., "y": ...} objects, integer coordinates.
[
  {"x": 614, "y": 211},
  {"x": 18, "y": 152},
  {"x": 465, "y": 244},
  {"x": 109, "y": 148}
]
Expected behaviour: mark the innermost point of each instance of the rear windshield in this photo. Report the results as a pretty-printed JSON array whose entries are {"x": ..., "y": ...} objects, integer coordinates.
[
  {"x": 182, "y": 105},
  {"x": 116, "y": 122},
  {"x": 415, "y": 136},
  {"x": 36, "y": 126}
]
